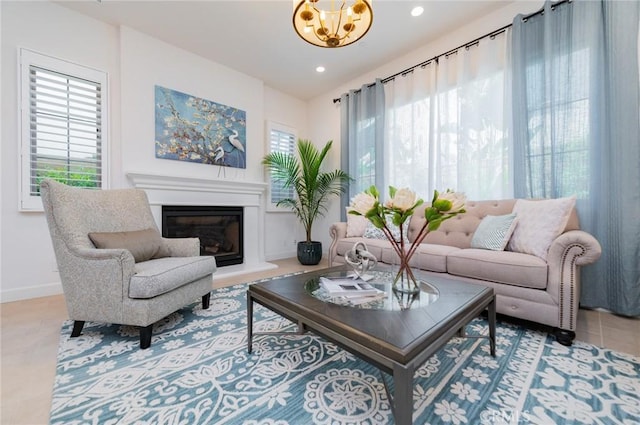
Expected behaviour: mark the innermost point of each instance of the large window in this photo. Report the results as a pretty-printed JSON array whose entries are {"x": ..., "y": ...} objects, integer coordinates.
[
  {"x": 63, "y": 125},
  {"x": 447, "y": 124},
  {"x": 281, "y": 139},
  {"x": 557, "y": 149}
]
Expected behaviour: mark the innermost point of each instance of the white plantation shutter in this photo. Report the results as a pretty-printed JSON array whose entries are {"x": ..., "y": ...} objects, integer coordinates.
[
  {"x": 281, "y": 139},
  {"x": 63, "y": 117}
]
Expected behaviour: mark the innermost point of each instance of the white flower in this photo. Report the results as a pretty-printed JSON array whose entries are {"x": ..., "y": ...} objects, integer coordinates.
[
  {"x": 465, "y": 392},
  {"x": 101, "y": 367},
  {"x": 475, "y": 375},
  {"x": 450, "y": 412},
  {"x": 201, "y": 335},
  {"x": 362, "y": 203},
  {"x": 403, "y": 200},
  {"x": 171, "y": 345},
  {"x": 450, "y": 202}
]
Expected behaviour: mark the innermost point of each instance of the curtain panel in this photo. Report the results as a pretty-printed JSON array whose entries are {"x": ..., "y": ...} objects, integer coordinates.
[
  {"x": 362, "y": 139},
  {"x": 446, "y": 125},
  {"x": 576, "y": 132}
]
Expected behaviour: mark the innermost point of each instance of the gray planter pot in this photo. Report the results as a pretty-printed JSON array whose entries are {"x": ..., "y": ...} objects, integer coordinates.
[{"x": 309, "y": 253}]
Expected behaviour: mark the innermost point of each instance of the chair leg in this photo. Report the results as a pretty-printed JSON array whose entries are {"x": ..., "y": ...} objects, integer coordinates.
[
  {"x": 77, "y": 328},
  {"x": 205, "y": 300},
  {"x": 145, "y": 337}
]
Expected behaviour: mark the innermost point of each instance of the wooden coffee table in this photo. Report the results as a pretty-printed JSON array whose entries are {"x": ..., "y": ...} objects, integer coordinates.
[{"x": 395, "y": 340}]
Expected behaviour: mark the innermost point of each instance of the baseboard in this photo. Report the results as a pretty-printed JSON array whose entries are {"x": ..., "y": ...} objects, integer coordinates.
[
  {"x": 238, "y": 269},
  {"x": 31, "y": 292},
  {"x": 281, "y": 255}
]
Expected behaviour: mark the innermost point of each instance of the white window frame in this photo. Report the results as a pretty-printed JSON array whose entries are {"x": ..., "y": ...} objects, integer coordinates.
[
  {"x": 274, "y": 126},
  {"x": 28, "y": 58}
]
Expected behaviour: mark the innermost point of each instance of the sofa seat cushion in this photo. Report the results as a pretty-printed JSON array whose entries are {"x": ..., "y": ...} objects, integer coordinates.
[
  {"x": 512, "y": 268},
  {"x": 432, "y": 257},
  {"x": 157, "y": 277}
]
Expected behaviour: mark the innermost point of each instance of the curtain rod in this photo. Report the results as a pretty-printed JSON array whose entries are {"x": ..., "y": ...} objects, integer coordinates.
[{"x": 465, "y": 46}]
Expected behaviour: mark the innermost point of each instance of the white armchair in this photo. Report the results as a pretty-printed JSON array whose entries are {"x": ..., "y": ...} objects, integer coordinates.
[{"x": 138, "y": 277}]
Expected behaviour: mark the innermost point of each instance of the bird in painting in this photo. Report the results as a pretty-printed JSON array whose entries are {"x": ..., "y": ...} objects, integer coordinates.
[
  {"x": 219, "y": 153},
  {"x": 233, "y": 139}
]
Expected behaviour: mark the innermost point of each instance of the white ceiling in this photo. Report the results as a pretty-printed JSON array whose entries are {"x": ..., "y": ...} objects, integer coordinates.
[{"x": 257, "y": 37}]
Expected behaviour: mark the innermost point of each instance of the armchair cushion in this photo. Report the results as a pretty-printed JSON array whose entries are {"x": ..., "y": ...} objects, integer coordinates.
[
  {"x": 162, "y": 275},
  {"x": 143, "y": 244}
]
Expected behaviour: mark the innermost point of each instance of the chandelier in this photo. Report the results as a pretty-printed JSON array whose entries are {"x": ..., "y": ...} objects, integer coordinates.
[{"x": 336, "y": 26}]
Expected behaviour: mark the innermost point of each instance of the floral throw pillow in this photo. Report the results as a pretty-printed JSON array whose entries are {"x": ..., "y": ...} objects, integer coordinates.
[{"x": 372, "y": 232}]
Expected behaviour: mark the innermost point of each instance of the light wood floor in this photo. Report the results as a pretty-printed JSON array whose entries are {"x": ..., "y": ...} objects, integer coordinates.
[{"x": 31, "y": 331}]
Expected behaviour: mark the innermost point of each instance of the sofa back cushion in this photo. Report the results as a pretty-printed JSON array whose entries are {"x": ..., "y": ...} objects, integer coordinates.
[{"x": 458, "y": 231}]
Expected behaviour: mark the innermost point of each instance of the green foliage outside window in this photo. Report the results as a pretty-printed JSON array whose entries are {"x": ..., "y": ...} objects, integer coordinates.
[{"x": 77, "y": 177}]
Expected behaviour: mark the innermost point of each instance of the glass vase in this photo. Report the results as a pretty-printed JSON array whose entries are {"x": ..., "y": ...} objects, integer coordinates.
[{"x": 404, "y": 280}]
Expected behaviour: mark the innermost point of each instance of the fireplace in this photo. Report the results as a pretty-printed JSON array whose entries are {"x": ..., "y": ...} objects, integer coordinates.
[{"x": 219, "y": 229}]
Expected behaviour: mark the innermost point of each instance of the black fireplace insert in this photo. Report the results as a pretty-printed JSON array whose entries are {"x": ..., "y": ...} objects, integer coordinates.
[{"x": 218, "y": 228}]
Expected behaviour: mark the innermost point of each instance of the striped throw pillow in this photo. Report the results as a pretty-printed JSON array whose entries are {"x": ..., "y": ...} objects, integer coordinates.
[{"x": 494, "y": 232}]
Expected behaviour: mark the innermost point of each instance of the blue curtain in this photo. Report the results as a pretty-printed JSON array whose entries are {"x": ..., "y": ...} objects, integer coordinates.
[
  {"x": 576, "y": 132},
  {"x": 362, "y": 136}
]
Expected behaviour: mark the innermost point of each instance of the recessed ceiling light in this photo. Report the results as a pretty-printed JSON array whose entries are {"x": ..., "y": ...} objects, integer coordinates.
[
  {"x": 320, "y": 69},
  {"x": 417, "y": 11}
]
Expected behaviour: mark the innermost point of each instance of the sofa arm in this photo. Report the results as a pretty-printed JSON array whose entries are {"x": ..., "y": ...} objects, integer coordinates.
[
  {"x": 183, "y": 247},
  {"x": 337, "y": 231},
  {"x": 568, "y": 251}
]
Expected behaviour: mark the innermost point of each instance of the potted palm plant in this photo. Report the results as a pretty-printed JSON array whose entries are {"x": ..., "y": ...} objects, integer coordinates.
[{"x": 312, "y": 188}]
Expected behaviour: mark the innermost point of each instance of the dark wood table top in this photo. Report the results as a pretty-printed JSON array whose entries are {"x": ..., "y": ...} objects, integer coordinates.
[{"x": 398, "y": 335}]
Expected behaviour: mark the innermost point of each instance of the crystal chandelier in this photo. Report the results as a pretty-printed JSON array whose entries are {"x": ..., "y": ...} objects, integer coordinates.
[{"x": 336, "y": 25}]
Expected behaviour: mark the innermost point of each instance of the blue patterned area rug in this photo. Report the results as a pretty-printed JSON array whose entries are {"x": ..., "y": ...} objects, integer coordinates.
[{"x": 197, "y": 371}]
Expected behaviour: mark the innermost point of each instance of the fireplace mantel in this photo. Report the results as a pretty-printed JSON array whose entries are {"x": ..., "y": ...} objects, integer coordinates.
[
  {"x": 181, "y": 190},
  {"x": 162, "y": 182}
]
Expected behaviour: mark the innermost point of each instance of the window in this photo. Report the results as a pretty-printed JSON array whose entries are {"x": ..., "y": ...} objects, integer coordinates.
[
  {"x": 63, "y": 125},
  {"x": 447, "y": 126},
  {"x": 281, "y": 139},
  {"x": 557, "y": 152}
]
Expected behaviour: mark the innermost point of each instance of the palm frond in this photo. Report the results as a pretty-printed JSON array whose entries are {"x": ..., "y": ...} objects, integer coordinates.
[{"x": 312, "y": 187}]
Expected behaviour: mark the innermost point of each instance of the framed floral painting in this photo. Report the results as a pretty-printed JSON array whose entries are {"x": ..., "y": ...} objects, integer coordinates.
[{"x": 189, "y": 128}]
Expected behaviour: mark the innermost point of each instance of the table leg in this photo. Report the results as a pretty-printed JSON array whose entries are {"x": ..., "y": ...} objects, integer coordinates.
[
  {"x": 403, "y": 397},
  {"x": 249, "y": 322},
  {"x": 492, "y": 326}
]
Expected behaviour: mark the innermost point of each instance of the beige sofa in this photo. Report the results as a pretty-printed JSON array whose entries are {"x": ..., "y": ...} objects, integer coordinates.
[{"x": 546, "y": 291}]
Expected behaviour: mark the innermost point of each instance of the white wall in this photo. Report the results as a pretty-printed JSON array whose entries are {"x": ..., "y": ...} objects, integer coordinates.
[
  {"x": 326, "y": 115},
  {"x": 282, "y": 229},
  {"x": 134, "y": 63},
  {"x": 146, "y": 62},
  {"x": 28, "y": 263}
]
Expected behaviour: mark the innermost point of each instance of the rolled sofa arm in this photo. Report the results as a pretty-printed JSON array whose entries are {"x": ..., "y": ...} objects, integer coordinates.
[
  {"x": 568, "y": 251},
  {"x": 337, "y": 231}
]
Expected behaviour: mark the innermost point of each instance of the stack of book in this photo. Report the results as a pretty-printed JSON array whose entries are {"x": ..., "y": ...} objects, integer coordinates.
[{"x": 357, "y": 291}]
